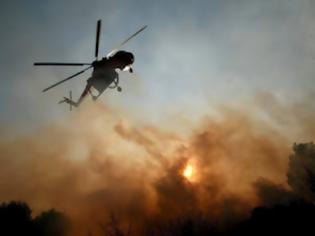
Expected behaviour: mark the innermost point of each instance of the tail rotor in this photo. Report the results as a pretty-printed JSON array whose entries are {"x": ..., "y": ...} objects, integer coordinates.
[{"x": 69, "y": 101}]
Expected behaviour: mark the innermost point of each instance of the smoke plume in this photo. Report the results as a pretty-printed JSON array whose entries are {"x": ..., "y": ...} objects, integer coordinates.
[{"x": 95, "y": 166}]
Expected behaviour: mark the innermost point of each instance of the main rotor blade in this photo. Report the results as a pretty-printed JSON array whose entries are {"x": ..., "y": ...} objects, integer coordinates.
[
  {"x": 60, "y": 64},
  {"x": 98, "y": 32},
  {"x": 66, "y": 79},
  {"x": 124, "y": 42},
  {"x": 133, "y": 35}
]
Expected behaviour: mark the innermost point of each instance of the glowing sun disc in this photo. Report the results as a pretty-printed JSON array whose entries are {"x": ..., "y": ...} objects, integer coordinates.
[{"x": 188, "y": 171}]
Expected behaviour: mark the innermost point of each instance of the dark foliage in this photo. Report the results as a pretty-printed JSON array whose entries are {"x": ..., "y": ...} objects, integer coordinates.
[
  {"x": 196, "y": 226},
  {"x": 51, "y": 223},
  {"x": 16, "y": 220},
  {"x": 298, "y": 218}
]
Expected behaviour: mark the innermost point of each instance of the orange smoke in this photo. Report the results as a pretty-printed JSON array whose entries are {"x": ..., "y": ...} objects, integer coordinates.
[{"x": 94, "y": 164}]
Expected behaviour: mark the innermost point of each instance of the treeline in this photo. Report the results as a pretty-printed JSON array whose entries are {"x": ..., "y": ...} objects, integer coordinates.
[
  {"x": 296, "y": 218},
  {"x": 16, "y": 219}
]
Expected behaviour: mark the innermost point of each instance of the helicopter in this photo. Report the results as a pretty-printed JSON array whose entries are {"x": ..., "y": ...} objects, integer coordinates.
[{"x": 104, "y": 73}]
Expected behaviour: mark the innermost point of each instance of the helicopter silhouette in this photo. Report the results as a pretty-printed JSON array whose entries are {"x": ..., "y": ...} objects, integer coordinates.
[{"x": 104, "y": 73}]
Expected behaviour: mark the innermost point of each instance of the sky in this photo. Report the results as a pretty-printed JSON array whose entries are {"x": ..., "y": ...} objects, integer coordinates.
[
  {"x": 225, "y": 86},
  {"x": 193, "y": 56}
]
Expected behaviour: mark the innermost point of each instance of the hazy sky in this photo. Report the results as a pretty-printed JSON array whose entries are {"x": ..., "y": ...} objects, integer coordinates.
[
  {"x": 226, "y": 86},
  {"x": 193, "y": 55}
]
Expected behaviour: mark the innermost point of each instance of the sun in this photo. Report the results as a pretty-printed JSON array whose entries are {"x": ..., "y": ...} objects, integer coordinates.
[{"x": 188, "y": 172}]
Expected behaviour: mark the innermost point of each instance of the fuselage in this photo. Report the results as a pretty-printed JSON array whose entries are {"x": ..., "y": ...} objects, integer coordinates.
[{"x": 104, "y": 70}]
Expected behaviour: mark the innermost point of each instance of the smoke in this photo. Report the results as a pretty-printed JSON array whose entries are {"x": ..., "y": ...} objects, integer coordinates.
[{"x": 94, "y": 164}]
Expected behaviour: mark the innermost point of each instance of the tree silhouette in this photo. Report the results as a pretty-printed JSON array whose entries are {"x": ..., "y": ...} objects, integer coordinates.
[
  {"x": 51, "y": 223},
  {"x": 16, "y": 220}
]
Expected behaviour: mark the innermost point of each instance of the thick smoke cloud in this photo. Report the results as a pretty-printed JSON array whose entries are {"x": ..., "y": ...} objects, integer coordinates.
[{"x": 94, "y": 165}]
